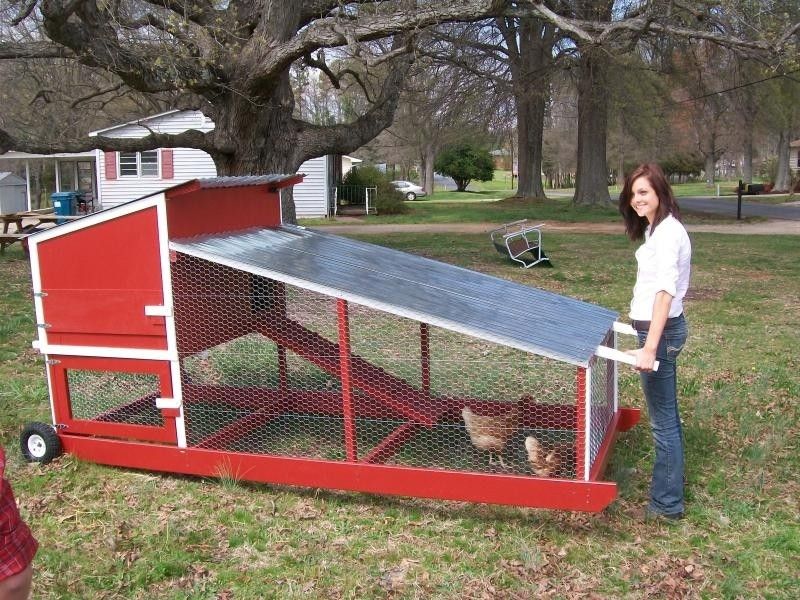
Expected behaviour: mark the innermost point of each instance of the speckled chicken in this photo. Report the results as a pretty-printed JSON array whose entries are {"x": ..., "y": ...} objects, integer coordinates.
[
  {"x": 548, "y": 460},
  {"x": 491, "y": 432}
]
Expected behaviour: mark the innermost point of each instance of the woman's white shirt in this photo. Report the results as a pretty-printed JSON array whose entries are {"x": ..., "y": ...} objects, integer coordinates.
[{"x": 663, "y": 265}]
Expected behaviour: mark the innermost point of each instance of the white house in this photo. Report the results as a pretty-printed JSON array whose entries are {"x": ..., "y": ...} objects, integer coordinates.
[
  {"x": 794, "y": 155},
  {"x": 125, "y": 176},
  {"x": 111, "y": 178}
]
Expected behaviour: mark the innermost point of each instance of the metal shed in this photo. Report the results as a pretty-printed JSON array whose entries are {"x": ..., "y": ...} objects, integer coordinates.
[
  {"x": 13, "y": 193},
  {"x": 213, "y": 340}
]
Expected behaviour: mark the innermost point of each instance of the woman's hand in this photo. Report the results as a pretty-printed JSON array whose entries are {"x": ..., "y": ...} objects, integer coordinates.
[{"x": 645, "y": 359}]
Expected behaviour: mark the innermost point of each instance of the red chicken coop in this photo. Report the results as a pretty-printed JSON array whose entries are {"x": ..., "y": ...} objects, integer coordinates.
[{"x": 205, "y": 337}]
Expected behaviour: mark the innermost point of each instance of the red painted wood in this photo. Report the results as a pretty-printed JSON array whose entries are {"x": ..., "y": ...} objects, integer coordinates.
[
  {"x": 604, "y": 452},
  {"x": 389, "y": 446},
  {"x": 110, "y": 160},
  {"x": 97, "y": 281},
  {"x": 580, "y": 419},
  {"x": 101, "y": 425},
  {"x": 197, "y": 211},
  {"x": 425, "y": 358},
  {"x": 237, "y": 430},
  {"x": 535, "y": 492},
  {"x": 345, "y": 356},
  {"x": 629, "y": 417},
  {"x": 167, "y": 164},
  {"x": 374, "y": 381}
]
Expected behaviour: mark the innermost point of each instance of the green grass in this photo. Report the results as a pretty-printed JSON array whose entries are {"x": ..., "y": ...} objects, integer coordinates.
[
  {"x": 559, "y": 209},
  {"x": 493, "y": 202},
  {"x": 118, "y": 533}
]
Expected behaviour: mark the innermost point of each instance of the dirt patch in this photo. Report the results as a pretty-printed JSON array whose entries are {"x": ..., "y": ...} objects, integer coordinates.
[
  {"x": 774, "y": 227},
  {"x": 704, "y": 294}
]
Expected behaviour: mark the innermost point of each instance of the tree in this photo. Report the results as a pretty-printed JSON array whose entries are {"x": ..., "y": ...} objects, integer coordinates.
[
  {"x": 530, "y": 46},
  {"x": 232, "y": 61},
  {"x": 465, "y": 162}
]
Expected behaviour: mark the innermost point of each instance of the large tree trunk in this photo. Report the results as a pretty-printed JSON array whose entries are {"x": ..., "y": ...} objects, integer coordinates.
[
  {"x": 430, "y": 158},
  {"x": 262, "y": 138},
  {"x": 531, "y": 72},
  {"x": 710, "y": 168},
  {"x": 530, "y": 129},
  {"x": 591, "y": 178},
  {"x": 783, "y": 179}
]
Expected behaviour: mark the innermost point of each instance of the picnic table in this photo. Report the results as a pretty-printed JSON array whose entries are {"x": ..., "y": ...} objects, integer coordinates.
[{"x": 34, "y": 219}]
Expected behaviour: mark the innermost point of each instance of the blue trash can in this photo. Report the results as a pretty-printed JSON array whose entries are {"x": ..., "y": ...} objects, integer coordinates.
[{"x": 65, "y": 203}]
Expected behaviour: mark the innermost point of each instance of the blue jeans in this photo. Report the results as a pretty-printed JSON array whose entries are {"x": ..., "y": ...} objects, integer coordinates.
[{"x": 661, "y": 391}]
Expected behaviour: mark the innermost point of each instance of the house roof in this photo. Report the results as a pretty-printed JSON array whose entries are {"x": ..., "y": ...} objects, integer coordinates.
[
  {"x": 134, "y": 122},
  {"x": 794, "y": 144},
  {"x": 14, "y": 155},
  {"x": 414, "y": 287},
  {"x": 8, "y": 178}
]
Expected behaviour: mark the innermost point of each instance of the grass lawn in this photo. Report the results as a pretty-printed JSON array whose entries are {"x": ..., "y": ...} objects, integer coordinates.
[
  {"x": 558, "y": 209},
  {"x": 493, "y": 202},
  {"x": 116, "y": 533}
]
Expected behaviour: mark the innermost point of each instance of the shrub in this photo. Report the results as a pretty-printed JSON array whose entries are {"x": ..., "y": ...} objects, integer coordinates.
[
  {"x": 465, "y": 162},
  {"x": 388, "y": 201}
]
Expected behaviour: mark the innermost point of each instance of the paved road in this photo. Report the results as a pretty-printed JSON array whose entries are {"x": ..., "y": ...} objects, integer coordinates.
[{"x": 727, "y": 207}]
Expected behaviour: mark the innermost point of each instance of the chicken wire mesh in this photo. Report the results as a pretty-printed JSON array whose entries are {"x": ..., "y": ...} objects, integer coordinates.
[
  {"x": 601, "y": 399},
  {"x": 114, "y": 397},
  {"x": 265, "y": 370}
]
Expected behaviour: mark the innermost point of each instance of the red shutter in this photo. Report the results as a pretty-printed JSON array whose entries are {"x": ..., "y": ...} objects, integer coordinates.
[
  {"x": 111, "y": 164},
  {"x": 167, "y": 167}
]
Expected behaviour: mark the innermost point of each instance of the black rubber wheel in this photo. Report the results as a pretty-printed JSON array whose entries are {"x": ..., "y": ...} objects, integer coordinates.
[
  {"x": 39, "y": 443},
  {"x": 411, "y": 196}
]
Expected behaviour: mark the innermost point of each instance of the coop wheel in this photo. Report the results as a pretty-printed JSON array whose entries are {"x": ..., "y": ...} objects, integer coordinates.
[
  {"x": 39, "y": 443},
  {"x": 411, "y": 196}
]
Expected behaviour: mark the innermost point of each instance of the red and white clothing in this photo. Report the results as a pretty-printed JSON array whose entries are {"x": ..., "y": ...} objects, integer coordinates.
[
  {"x": 664, "y": 265},
  {"x": 17, "y": 544}
]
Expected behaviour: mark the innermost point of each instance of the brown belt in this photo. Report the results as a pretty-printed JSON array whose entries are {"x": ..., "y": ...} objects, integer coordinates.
[{"x": 645, "y": 325}]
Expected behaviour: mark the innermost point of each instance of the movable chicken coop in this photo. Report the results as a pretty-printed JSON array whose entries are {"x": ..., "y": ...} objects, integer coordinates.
[{"x": 190, "y": 331}]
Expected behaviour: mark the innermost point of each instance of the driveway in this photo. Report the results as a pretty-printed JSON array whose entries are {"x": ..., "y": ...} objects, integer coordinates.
[{"x": 727, "y": 207}]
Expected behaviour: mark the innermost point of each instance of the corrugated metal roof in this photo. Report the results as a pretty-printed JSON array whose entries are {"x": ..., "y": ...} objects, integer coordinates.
[
  {"x": 220, "y": 182},
  {"x": 419, "y": 288}
]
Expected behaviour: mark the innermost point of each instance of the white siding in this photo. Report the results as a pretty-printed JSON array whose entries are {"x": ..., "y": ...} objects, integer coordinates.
[
  {"x": 310, "y": 197},
  {"x": 188, "y": 163}
]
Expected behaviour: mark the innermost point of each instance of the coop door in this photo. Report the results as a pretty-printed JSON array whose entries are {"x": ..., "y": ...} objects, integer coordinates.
[{"x": 112, "y": 397}]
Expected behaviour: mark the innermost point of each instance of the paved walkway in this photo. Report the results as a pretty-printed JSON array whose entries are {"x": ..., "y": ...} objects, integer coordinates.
[{"x": 774, "y": 227}]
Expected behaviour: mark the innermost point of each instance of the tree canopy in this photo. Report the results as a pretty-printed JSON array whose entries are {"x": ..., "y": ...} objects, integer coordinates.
[
  {"x": 465, "y": 162},
  {"x": 232, "y": 60}
]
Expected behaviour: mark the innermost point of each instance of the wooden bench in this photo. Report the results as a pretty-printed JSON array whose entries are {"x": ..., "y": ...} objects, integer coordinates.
[
  {"x": 521, "y": 242},
  {"x": 6, "y": 239}
]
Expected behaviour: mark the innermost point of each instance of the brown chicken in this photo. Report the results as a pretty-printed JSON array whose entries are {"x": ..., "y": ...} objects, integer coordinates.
[
  {"x": 491, "y": 432},
  {"x": 548, "y": 460}
]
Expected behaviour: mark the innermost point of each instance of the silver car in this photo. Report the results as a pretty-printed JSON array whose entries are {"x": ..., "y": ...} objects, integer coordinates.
[{"x": 410, "y": 190}]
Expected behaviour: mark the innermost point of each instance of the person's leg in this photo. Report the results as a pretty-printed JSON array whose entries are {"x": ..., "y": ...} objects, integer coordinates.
[
  {"x": 660, "y": 389},
  {"x": 17, "y": 587}
]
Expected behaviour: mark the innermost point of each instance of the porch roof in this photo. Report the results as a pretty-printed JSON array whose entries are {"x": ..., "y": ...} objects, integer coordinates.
[{"x": 14, "y": 155}]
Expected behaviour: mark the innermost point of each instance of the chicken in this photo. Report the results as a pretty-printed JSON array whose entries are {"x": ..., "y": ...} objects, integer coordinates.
[
  {"x": 491, "y": 432},
  {"x": 551, "y": 460}
]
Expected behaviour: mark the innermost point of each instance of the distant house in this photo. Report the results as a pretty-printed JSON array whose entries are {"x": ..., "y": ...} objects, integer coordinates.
[
  {"x": 794, "y": 155},
  {"x": 111, "y": 178}
]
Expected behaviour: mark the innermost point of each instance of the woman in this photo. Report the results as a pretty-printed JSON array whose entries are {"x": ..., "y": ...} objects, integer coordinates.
[
  {"x": 17, "y": 545},
  {"x": 651, "y": 213}
]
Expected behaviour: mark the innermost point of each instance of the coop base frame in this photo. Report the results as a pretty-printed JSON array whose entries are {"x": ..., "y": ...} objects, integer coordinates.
[{"x": 491, "y": 488}]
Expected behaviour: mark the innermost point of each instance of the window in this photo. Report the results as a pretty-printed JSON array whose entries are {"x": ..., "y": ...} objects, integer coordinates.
[{"x": 138, "y": 164}]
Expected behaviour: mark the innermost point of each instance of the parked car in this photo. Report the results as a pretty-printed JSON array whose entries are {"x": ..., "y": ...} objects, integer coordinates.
[{"x": 410, "y": 190}]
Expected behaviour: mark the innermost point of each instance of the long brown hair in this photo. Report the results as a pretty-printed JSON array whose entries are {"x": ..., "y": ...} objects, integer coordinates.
[{"x": 635, "y": 225}]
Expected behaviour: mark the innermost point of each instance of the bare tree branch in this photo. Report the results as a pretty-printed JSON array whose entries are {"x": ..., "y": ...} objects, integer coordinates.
[{"x": 75, "y": 103}]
